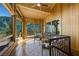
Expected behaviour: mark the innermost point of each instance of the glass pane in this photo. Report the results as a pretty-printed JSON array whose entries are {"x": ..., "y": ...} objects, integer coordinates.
[
  {"x": 19, "y": 27},
  {"x": 5, "y": 22},
  {"x": 33, "y": 29},
  {"x": 5, "y": 26},
  {"x": 52, "y": 27}
]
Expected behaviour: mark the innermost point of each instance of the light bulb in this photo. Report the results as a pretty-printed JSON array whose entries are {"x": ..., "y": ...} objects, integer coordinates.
[{"x": 38, "y": 4}]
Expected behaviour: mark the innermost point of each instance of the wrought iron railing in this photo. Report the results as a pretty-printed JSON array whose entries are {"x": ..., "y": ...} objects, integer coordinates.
[{"x": 61, "y": 47}]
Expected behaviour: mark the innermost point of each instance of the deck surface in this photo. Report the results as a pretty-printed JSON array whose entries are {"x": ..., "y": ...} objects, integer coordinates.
[{"x": 30, "y": 48}]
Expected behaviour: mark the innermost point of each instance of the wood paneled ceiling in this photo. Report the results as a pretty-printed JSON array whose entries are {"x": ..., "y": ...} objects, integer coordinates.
[
  {"x": 47, "y": 7},
  {"x": 32, "y": 13}
]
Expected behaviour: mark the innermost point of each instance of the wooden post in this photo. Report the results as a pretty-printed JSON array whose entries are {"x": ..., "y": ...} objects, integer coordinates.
[
  {"x": 14, "y": 27},
  {"x": 24, "y": 31},
  {"x": 43, "y": 26},
  {"x": 14, "y": 23}
]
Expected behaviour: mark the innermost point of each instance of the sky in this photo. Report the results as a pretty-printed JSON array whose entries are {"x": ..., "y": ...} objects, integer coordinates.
[{"x": 4, "y": 11}]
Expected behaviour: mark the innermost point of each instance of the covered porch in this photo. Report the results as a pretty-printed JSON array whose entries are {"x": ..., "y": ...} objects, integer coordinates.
[{"x": 34, "y": 24}]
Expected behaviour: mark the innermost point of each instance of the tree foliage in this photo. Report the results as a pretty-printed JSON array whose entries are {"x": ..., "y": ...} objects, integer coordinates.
[{"x": 5, "y": 26}]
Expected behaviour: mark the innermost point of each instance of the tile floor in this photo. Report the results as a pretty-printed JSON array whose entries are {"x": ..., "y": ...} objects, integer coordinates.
[{"x": 30, "y": 48}]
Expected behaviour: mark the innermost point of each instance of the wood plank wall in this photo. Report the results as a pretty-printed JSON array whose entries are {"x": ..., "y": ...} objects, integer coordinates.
[{"x": 68, "y": 14}]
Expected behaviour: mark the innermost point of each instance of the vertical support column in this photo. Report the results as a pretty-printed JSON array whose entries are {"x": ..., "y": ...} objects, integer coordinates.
[
  {"x": 14, "y": 23},
  {"x": 24, "y": 31},
  {"x": 43, "y": 26},
  {"x": 14, "y": 27}
]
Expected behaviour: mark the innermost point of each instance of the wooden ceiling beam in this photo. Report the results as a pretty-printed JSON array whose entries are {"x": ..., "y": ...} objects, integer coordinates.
[{"x": 19, "y": 11}]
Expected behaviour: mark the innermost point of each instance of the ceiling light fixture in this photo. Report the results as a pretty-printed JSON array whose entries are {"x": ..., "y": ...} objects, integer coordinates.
[{"x": 38, "y": 4}]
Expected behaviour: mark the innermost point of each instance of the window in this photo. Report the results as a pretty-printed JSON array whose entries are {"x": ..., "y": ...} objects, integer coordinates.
[
  {"x": 52, "y": 27},
  {"x": 5, "y": 27},
  {"x": 19, "y": 27},
  {"x": 5, "y": 22},
  {"x": 33, "y": 29}
]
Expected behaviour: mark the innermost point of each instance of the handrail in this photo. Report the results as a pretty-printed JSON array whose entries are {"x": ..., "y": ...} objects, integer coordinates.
[{"x": 6, "y": 38}]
